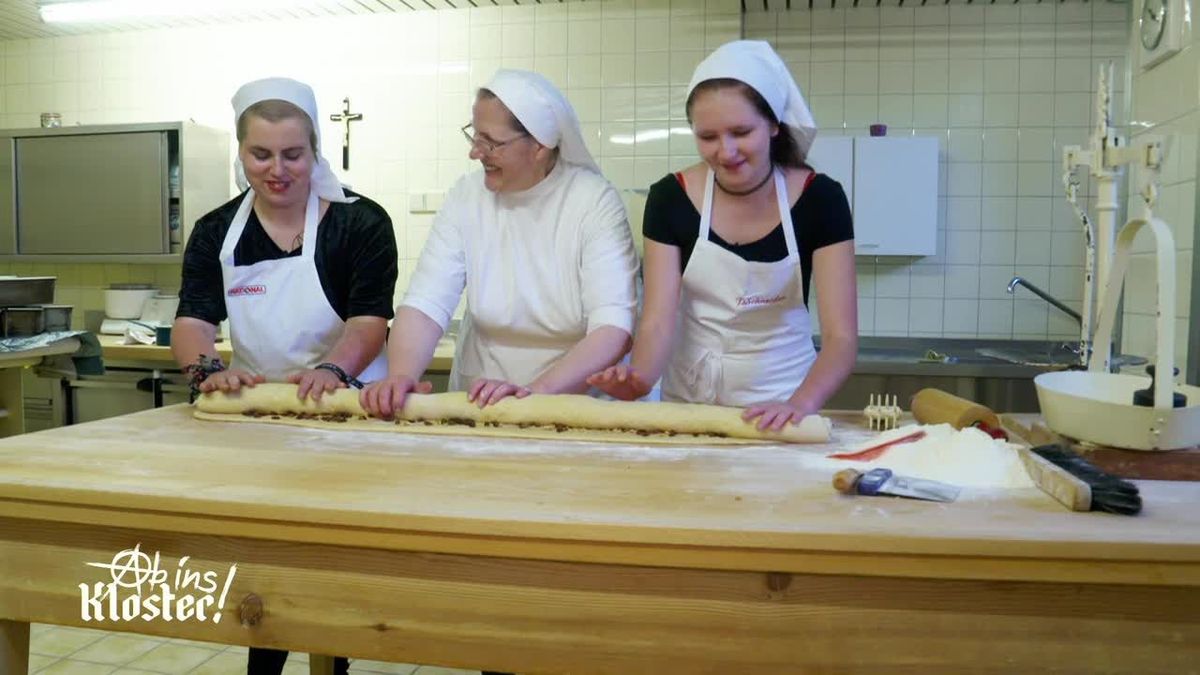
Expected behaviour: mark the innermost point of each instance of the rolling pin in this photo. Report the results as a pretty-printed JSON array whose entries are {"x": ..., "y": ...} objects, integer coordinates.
[{"x": 934, "y": 406}]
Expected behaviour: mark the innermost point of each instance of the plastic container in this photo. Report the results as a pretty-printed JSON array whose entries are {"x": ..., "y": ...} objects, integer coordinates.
[{"x": 125, "y": 301}]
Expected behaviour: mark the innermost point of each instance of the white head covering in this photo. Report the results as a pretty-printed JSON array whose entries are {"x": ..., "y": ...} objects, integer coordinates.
[
  {"x": 755, "y": 63},
  {"x": 545, "y": 112},
  {"x": 300, "y": 95}
]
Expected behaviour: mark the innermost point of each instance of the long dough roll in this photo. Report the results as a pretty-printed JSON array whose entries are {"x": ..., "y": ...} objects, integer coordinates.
[{"x": 574, "y": 411}]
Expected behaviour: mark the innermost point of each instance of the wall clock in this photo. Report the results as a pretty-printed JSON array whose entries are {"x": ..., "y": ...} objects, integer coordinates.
[{"x": 1160, "y": 30}]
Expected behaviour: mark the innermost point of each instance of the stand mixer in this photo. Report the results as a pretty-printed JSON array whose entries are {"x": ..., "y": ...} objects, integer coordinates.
[{"x": 1096, "y": 405}]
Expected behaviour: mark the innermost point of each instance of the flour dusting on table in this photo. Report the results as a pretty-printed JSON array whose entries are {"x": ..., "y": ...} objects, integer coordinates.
[{"x": 967, "y": 457}]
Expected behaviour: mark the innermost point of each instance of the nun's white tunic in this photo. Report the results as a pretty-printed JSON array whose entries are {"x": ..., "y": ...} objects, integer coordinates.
[{"x": 542, "y": 268}]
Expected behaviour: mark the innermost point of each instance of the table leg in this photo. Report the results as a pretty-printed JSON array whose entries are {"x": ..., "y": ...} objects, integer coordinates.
[
  {"x": 320, "y": 665},
  {"x": 14, "y": 647}
]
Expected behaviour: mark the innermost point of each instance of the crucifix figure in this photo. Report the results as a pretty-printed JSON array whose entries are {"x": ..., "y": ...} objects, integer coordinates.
[{"x": 346, "y": 117}]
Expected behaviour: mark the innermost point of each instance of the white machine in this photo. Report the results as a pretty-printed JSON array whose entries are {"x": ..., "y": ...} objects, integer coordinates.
[
  {"x": 1096, "y": 405},
  {"x": 145, "y": 305}
]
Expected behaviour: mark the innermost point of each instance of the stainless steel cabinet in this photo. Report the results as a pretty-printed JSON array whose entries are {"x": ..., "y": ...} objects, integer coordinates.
[
  {"x": 92, "y": 193},
  {"x": 99, "y": 193},
  {"x": 53, "y": 401}
]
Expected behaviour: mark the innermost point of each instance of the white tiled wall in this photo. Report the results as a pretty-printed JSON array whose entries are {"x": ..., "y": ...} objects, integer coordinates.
[
  {"x": 623, "y": 64},
  {"x": 1004, "y": 86},
  {"x": 1166, "y": 103}
]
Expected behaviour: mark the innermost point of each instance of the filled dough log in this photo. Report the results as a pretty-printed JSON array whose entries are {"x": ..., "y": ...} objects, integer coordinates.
[{"x": 561, "y": 411}]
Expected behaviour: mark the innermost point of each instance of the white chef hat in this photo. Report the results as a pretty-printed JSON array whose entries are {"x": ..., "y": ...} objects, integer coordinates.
[
  {"x": 544, "y": 112},
  {"x": 756, "y": 64},
  {"x": 300, "y": 95}
]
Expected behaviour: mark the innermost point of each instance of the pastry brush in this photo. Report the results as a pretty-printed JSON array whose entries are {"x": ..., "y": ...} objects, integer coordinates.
[{"x": 1089, "y": 489}]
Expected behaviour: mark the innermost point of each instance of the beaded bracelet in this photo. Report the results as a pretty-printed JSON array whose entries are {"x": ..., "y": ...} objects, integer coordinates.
[{"x": 199, "y": 372}]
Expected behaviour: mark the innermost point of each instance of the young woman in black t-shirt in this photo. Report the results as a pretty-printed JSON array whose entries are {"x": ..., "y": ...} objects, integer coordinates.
[
  {"x": 731, "y": 244},
  {"x": 304, "y": 270}
]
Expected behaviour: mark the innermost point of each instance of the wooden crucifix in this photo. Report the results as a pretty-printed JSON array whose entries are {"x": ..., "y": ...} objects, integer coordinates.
[{"x": 346, "y": 117}]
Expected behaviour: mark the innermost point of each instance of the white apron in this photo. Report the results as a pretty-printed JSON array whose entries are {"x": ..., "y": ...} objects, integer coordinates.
[
  {"x": 502, "y": 352},
  {"x": 745, "y": 335},
  {"x": 279, "y": 318}
]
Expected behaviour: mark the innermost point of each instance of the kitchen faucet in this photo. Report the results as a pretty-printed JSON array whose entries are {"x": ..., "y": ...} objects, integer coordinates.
[{"x": 1020, "y": 281}]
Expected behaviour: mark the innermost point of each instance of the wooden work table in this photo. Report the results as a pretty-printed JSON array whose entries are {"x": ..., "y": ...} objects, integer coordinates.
[
  {"x": 114, "y": 350},
  {"x": 543, "y": 556}
]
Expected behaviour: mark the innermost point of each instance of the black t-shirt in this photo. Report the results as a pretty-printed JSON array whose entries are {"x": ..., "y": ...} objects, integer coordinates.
[
  {"x": 356, "y": 259},
  {"x": 821, "y": 216}
]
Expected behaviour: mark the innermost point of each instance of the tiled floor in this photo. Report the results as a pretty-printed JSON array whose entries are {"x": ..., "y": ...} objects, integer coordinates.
[{"x": 59, "y": 650}]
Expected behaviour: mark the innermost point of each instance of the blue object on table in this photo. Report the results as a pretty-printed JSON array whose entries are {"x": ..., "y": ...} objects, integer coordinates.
[{"x": 871, "y": 481}]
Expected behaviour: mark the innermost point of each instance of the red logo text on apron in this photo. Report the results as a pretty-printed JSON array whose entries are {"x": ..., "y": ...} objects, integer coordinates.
[
  {"x": 759, "y": 300},
  {"x": 253, "y": 289}
]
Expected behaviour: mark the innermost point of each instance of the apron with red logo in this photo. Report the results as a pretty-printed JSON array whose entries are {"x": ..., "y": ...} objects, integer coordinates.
[
  {"x": 280, "y": 321},
  {"x": 745, "y": 335}
]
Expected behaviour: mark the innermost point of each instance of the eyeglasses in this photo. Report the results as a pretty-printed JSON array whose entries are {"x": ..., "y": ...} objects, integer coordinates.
[{"x": 482, "y": 144}]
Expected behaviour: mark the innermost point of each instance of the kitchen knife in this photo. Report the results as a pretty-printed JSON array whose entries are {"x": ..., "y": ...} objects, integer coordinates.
[{"x": 883, "y": 481}]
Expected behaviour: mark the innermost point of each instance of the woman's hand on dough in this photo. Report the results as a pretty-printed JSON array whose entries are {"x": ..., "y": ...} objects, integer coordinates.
[
  {"x": 485, "y": 392},
  {"x": 620, "y": 382},
  {"x": 315, "y": 382},
  {"x": 386, "y": 397},
  {"x": 773, "y": 415},
  {"x": 230, "y": 381}
]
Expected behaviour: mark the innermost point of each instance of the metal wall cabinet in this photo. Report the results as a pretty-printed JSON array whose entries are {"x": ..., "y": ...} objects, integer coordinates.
[{"x": 105, "y": 193}]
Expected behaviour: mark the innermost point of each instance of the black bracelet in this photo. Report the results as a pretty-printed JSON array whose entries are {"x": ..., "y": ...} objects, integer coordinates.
[{"x": 342, "y": 375}]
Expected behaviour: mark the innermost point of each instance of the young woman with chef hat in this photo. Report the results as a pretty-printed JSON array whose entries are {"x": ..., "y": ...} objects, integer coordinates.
[
  {"x": 731, "y": 246},
  {"x": 539, "y": 241},
  {"x": 304, "y": 269}
]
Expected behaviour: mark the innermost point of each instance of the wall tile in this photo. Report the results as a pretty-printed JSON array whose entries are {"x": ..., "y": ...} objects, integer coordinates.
[
  {"x": 966, "y": 110},
  {"x": 891, "y": 317},
  {"x": 862, "y": 77},
  {"x": 1037, "y": 110},
  {"x": 961, "y": 316},
  {"x": 965, "y": 76},
  {"x": 962, "y": 281},
  {"x": 927, "y": 281},
  {"x": 963, "y": 213},
  {"x": 1001, "y": 75},
  {"x": 1001, "y": 110},
  {"x": 618, "y": 36},
  {"x": 925, "y": 315},
  {"x": 995, "y": 318},
  {"x": 996, "y": 247},
  {"x": 932, "y": 76},
  {"x": 999, "y": 179}
]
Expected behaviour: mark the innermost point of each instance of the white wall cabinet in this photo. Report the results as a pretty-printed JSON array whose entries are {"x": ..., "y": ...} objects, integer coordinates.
[{"x": 892, "y": 185}]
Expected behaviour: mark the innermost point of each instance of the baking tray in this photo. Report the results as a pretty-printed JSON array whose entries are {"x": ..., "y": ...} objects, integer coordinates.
[{"x": 26, "y": 291}]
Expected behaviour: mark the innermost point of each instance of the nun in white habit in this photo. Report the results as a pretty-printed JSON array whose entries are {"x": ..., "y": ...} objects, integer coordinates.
[{"x": 539, "y": 241}]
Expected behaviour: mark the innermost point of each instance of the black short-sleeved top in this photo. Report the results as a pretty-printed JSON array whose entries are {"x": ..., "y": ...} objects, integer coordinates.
[
  {"x": 821, "y": 217},
  {"x": 356, "y": 259}
]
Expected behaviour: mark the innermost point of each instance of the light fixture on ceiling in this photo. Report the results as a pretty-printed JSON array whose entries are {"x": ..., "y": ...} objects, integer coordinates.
[{"x": 89, "y": 11}]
